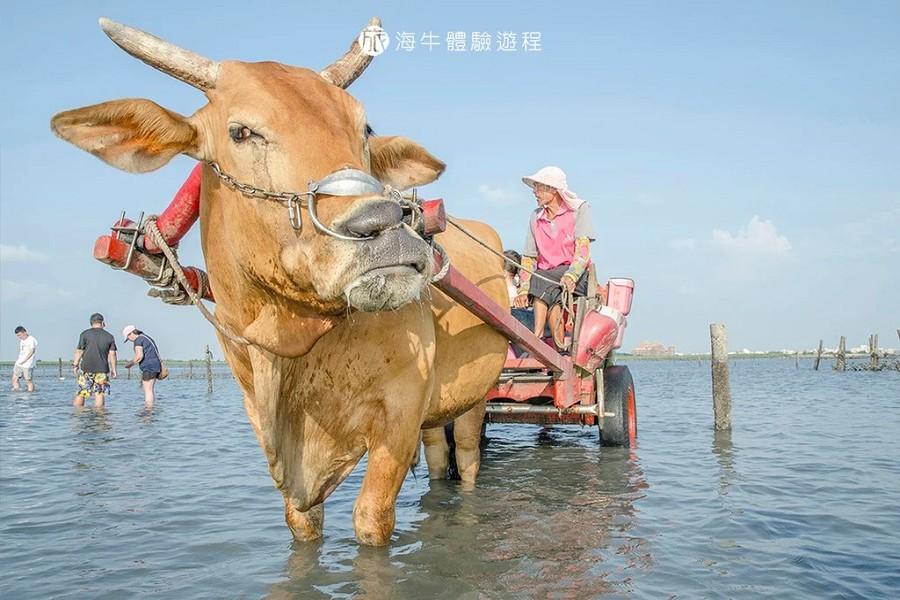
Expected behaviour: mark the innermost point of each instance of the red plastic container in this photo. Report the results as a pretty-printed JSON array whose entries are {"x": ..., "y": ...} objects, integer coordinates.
[{"x": 599, "y": 331}]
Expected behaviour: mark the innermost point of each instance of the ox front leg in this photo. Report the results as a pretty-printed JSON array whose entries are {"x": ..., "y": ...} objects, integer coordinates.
[
  {"x": 374, "y": 513},
  {"x": 467, "y": 435},
  {"x": 305, "y": 526},
  {"x": 437, "y": 452}
]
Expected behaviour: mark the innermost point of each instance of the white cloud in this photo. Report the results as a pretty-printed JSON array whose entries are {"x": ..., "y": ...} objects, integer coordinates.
[
  {"x": 758, "y": 238},
  {"x": 19, "y": 253},
  {"x": 497, "y": 196},
  {"x": 32, "y": 292}
]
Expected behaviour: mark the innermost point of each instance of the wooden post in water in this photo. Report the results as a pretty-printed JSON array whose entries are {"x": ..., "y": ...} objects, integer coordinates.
[
  {"x": 841, "y": 359},
  {"x": 720, "y": 388},
  {"x": 190, "y": 369},
  {"x": 208, "y": 370},
  {"x": 873, "y": 351},
  {"x": 818, "y": 357},
  {"x": 60, "y": 367},
  {"x": 797, "y": 360}
]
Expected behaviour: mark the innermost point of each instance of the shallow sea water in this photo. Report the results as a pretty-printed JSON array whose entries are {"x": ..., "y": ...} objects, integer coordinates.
[{"x": 802, "y": 499}]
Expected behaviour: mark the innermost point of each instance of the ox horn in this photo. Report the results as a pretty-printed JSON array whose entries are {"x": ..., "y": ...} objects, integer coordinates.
[
  {"x": 347, "y": 68},
  {"x": 182, "y": 64}
]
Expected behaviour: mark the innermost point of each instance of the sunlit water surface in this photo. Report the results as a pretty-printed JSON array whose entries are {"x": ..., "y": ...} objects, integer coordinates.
[{"x": 801, "y": 500}]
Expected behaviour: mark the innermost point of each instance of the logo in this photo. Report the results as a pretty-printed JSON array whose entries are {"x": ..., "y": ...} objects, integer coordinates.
[{"x": 373, "y": 40}]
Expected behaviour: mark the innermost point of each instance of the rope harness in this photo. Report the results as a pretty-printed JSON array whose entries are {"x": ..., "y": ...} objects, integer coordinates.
[{"x": 153, "y": 231}]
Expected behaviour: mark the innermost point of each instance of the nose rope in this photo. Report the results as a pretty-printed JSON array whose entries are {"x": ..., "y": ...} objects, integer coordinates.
[{"x": 153, "y": 232}]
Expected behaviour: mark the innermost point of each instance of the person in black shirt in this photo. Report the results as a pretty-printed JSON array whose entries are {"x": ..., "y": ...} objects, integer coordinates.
[{"x": 95, "y": 357}]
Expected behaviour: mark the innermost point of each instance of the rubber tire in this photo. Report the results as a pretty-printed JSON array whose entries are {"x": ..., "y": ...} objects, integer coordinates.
[{"x": 619, "y": 398}]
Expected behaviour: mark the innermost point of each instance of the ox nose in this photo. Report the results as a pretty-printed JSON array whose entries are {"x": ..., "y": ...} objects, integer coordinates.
[{"x": 373, "y": 218}]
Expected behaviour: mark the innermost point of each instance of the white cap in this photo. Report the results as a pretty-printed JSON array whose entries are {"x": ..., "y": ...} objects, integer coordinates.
[{"x": 127, "y": 331}]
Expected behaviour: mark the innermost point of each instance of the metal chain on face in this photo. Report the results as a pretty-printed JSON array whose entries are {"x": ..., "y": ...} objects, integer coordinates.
[{"x": 254, "y": 192}]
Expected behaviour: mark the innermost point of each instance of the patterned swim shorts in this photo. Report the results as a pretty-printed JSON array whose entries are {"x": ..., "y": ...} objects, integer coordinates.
[{"x": 92, "y": 383}]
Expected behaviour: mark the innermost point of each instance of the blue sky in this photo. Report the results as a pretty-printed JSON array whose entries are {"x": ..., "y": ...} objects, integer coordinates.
[{"x": 740, "y": 158}]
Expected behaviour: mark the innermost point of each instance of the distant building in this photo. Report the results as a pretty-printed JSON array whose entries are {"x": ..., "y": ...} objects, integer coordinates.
[{"x": 653, "y": 349}]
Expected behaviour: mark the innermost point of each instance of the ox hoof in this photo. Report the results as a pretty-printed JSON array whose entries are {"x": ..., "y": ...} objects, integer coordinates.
[
  {"x": 373, "y": 531},
  {"x": 305, "y": 526}
]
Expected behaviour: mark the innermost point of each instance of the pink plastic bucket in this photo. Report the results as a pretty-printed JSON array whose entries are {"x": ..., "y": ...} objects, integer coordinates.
[{"x": 621, "y": 290}]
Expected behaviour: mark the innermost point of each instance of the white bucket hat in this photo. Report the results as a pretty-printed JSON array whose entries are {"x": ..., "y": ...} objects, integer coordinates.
[{"x": 555, "y": 178}]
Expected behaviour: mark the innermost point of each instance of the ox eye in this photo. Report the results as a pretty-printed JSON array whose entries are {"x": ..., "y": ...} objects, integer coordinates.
[{"x": 240, "y": 133}]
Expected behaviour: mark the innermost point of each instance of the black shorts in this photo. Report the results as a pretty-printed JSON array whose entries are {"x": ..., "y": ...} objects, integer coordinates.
[
  {"x": 548, "y": 292},
  {"x": 148, "y": 375}
]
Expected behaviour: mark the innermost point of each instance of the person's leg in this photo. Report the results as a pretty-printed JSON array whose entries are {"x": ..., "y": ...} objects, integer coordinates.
[
  {"x": 15, "y": 379},
  {"x": 98, "y": 399},
  {"x": 84, "y": 390},
  {"x": 556, "y": 325},
  {"x": 540, "y": 317},
  {"x": 148, "y": 384},
  {"x": 29, "y": 382}
]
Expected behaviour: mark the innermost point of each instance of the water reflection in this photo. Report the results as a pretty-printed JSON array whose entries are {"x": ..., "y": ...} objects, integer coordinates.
[
  {"x": 724, "y": 451},
  {"x": 89, "y": 423},
  {"x": 550, "y": 517}
]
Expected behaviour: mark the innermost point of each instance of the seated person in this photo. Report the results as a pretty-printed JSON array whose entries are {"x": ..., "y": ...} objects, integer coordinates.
[
  {"x": 511, "y": 271},
  {"x": 523, "y": 315},
  {"x": 557, "y": 247}
]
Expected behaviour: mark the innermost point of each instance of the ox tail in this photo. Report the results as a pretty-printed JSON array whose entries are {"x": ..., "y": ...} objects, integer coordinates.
[
  {"x": 452, "y": 469},
  {"x": 417, "y": 457}
]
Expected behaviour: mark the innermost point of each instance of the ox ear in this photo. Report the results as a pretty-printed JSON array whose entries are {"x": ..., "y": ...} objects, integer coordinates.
[
  {"x": 134, "y": 135},
  {"x": 402, "y": 163}
]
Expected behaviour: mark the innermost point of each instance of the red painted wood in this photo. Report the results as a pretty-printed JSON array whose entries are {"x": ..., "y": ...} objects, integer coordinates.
[
  {"x": 520, "y": 392},
  {"x": 434, "y": 216},
  {"x": 458, "y": 287},
  {"x": 114, "y": 252},
  {"x": 181, "y": 214}
]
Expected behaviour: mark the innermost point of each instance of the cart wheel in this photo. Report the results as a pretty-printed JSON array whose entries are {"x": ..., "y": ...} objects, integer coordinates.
[{"x": 618, "y": 398}]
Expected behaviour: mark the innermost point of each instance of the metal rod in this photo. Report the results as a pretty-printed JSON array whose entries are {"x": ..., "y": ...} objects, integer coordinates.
[
  {"x": 504, "y": 378},
  {"x": 508, "y": 408}
]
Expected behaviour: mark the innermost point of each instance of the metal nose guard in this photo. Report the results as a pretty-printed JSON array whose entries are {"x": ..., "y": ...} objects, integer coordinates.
[{"x": 345, "y": 182}]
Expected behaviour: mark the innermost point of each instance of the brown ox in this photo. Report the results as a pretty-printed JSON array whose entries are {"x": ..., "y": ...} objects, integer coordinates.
[{"x": 350, "y": 349}]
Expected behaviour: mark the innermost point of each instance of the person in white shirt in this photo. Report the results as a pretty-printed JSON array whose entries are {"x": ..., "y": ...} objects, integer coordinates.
[{"x": 25, "y": 362}]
